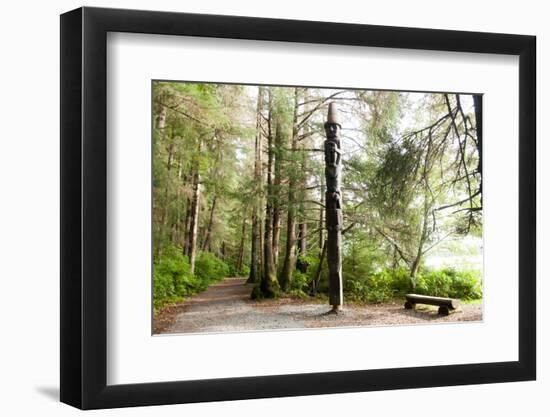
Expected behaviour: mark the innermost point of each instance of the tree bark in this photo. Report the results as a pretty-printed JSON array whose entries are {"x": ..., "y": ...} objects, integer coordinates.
[
  {"x": 255, "y": 250},
  {"x": 415, "y": 266},
  {"x": 302, "y": 226},
  {"x": 176, "y": 226},
  {"x": 269, "y": 283},
  {"x": 321, "y": 217},
  {"x": 161, "y": 119},
  {"x": 240, "y": 259},
  {"x": 302, "y": 238},
  {"x": 206, "y": 244},
  {"x": 194, "y": 217},
  {"x": 290, "y": 255},
  {"x": 208, "y": 233},
  {"x": 161, "y": 126},
  {"x": 303, "y": 197},
  {"x": 277, "y": 180},
  {"x": 187, "y": 226},
  {"x": 255, "y": 257}
]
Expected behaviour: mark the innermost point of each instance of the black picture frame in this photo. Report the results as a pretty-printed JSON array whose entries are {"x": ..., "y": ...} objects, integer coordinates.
[{"x": 84, "y": 207}]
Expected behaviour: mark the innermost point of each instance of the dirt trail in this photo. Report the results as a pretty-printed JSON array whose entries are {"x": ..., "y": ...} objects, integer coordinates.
[{"x": 227, "y": 307}]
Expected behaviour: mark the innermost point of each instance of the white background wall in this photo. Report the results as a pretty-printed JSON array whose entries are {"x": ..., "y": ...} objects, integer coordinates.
[{"x": 29, "y": 225}]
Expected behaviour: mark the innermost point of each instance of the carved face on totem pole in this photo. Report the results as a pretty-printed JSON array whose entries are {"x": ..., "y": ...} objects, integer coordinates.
[
  {"x": 331, "y": 130},
  {"x": 332, "y": 159}
]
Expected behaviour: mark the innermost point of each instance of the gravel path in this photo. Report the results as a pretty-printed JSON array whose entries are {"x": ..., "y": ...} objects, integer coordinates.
[{"x": 227, "y": 307}]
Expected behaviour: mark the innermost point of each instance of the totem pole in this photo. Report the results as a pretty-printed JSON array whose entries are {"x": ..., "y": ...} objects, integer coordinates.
[{"x": 333, "y": 204}]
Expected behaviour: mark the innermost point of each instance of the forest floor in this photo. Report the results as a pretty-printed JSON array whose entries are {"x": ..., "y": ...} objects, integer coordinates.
[{"x": 227, "y": 307}]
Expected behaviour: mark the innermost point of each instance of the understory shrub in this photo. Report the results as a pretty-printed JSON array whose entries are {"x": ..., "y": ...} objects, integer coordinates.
[
  {"x": 376, "y": 287},
  {"x": 233, "y": 270},
  {"x": 449, "y": 282},
  {"x": 172, "y": 279},
  {"x": 300, "y": 284},
  {"x": 245, "y": 271},
  {"x": 210, "y": 268},
  {"x": 388, "y": 283}
]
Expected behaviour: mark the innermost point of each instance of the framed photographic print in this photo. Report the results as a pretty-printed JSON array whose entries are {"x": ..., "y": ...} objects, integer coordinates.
[{"x": 256, "y": 208}]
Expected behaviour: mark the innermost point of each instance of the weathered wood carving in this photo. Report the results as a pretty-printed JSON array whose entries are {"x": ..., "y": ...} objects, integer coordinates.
[{"x": 333, "y": 203}]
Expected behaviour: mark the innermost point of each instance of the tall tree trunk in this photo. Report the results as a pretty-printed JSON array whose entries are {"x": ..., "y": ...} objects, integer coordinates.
[
  {"x": 255, "y": 250},
  {"x": 206, "y": 244},
  {"x": 321, "y": 215},
  {"x": 290, "y": 255},
  {"x": 262, "y": 258},
  {"x": 160, "y": 126},
  {"x": 166, "y": 198},
  {"x": 208, "y": 233},
  {"x": 255, "y": 258},
  {"x": 176, "y": 226},
  {"x": 426, "y": 217},
  {"x": 277, "y": 180},
  {"x": 276, "y": 232},
  {"x": 240, "y": 259},
  {"x": 194, "y": 215},
  {"x": 415, "y": 266},
  {"x": 269, "y": 285},
  {"x": 302, "y": 227},
  {"x": 161, "y": 119},
  {"x": 302, "y": 242},
  {"x": 187, "y": 225}
]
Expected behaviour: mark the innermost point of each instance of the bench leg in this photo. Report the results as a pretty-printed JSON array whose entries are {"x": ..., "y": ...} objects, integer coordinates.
[
  {"x": 443, "y": 311},
  {"x": 409, "y": 305}
]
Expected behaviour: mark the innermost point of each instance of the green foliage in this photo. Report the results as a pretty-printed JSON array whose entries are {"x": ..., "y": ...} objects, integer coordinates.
[
  {"x": 210, "y": 269},
  {"x": 449, "y": 282},
  {"x": 385, "y": 109},
  {"x": 300, "y": 284},
  {"x": 198, "y": 130},
  {"x": 309, "y": 259},
  {"x": 394, "y": 186},
  {"x": 172, "y": 279},
  {"x": 232, "y": 270},
  {"x": 245, "y": 272},
  {"x": 384, "y": 285},
  {"x": 376, "y": 287},
  {"x": 403, "y": 163}
]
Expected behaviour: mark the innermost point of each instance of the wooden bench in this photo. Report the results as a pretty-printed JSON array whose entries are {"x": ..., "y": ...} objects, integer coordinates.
[{"x": 445, "y": 304}]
